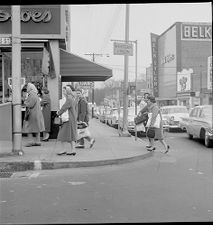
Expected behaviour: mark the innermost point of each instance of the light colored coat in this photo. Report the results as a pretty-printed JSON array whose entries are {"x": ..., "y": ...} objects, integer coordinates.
[
  {"x": 68, "y": 130},
  {"x": 46, "y": 110},
  {"x": 35, "y": 124}
]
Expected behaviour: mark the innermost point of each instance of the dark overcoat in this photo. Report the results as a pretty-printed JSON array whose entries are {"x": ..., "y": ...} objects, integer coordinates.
[
  {"x": 68, "y": 130},
  {"x": 46, "y": 110},
  {"x": 35, "y": 123},
  {"x": 83, "y": 110}
]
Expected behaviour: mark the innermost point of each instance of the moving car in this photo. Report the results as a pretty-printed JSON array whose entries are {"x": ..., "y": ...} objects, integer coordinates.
[
  {"x": 199, "y": 124},
  {"x": 172, "y": 115}
]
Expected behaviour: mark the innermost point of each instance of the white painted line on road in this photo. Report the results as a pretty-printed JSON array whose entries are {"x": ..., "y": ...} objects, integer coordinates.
[
  {"x": 199, "y": 172},
  {"x": 34, "y": 175},
  {"x": 76, "y": 183},
  {"x": 37, "y": 165}
]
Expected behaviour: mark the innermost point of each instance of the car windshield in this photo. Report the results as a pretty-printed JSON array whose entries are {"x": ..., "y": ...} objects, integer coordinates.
[{"x": 174, "y": 110}]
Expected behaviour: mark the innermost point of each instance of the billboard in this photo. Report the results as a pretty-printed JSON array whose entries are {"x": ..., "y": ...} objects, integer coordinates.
[
  {"x": 209, "y": 73},
  {"x": 184, "y": 80}
]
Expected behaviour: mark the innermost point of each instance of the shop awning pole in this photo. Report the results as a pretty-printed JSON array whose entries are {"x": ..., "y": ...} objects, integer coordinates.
[
  {"x": 3, "y": 78},
  {"x": 16, "y": 81}
]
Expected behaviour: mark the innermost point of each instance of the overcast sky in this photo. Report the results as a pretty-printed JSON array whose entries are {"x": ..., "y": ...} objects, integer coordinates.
[{"x": 93, "y": 26}]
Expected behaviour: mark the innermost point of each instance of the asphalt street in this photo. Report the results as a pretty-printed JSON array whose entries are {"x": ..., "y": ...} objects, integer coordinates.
[{"x": 177, "y": 187}]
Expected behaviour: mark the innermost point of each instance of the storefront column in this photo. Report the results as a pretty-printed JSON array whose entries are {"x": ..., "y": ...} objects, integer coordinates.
[{"x": 53, "y": 83}]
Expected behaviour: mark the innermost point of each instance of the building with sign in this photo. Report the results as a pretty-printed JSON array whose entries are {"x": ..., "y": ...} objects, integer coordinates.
[
  {"x": 45, "y": 51},
  {"x": 181, "y": 62}
]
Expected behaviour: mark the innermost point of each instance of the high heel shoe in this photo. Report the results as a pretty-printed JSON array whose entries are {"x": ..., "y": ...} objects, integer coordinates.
[
  {"x": 71, "y": 153},
  {"x": 150, "y": 149},
  {"x": 168, "y": 147}
]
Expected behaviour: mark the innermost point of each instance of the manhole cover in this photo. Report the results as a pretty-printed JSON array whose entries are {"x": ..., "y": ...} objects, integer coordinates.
[{"x": 5, "y": 174}]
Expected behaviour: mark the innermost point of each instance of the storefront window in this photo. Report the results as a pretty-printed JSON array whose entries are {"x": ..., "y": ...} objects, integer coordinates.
[{"x": 31, "y": 70}]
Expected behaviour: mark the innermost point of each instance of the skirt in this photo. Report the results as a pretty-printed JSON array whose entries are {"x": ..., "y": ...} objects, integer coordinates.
[{"x": 66, "y": 133}]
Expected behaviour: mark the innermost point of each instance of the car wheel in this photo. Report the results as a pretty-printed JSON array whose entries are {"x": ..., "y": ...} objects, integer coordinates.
[
  {"x": 190, "y": 136},
  {"x": 207, "y": 141}
]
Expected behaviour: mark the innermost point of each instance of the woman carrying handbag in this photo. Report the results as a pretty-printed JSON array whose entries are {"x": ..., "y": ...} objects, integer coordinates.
[{"x": 155, "y": 125}]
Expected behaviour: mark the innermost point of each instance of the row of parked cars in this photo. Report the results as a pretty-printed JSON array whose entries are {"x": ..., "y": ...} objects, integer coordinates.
[{"x": 196, "y": 122}]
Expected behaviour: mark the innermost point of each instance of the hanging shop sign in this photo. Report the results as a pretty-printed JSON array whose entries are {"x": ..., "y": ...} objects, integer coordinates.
[
  {"x": 209, "y": 73},
  {"x": 86, "y": 85},
  {"x": 154, "y": 48},
  {"x": 10, "y": 83},
  {"x": 41, "y": 19},
  {"x": 184, "y": 80},
  {"x": 196, "y": 31},
  {"x": 5, "y": 41},
  {"x": 123, "y": 49}
]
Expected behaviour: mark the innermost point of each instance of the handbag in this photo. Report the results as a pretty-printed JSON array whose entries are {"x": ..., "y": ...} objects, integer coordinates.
[
  {"x": 27, "y": 114},
  {"x": 141, "y": 118},
  {"x": 57, "y": 121},
  {"x": 150, "y": 132}
]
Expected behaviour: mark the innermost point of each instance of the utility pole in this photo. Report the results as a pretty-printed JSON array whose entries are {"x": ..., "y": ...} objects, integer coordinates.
[
  {"x": 93, "y": 92},
  {"x": 16, "y": 81}
]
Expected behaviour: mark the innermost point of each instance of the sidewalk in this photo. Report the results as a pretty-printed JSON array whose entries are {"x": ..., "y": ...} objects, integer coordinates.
[{"x": 108, "y": 149}]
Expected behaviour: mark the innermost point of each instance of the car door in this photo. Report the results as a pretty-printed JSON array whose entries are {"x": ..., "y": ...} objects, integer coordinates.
[
  {"x": 191, "y": 122},
  {"x": 196, "y": 122}
]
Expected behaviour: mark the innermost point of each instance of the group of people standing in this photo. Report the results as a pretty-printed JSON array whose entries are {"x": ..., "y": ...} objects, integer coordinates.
[
  {"x": 148, "y": 105},
  {"x": 38, "y": 117}
]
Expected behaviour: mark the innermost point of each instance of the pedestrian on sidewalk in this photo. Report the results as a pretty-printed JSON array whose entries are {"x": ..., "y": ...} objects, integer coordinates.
[
  {"x": 83, "y": 116},
  {"x": 33, "y": 121},
  {"x": 46, "y": 110},
  {"x": 155, "y": 110},
  {"x": 68, "y": 129}
]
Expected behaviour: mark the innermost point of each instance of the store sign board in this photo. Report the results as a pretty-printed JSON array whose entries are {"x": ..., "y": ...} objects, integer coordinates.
[
  {"x": 196, "y": 31},
  {"x": 5, "y": 41},
  {"x": 184, "y": 80},
  {"x": 43, "y": 19},
  {"x": 154, "y": 48},
  {"x": 123, "y": 49},
  {"x": 209, "y": 73},
  {"x": 86, "y": 85}
]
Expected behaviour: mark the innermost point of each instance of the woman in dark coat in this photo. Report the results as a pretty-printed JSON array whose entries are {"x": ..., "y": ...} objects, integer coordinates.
[
  {"x": 35, "y": 122},
  {"x": 46, "y": 110},
  {"x": 68, "y": 130},
  {"x": 154, "y": 109}
]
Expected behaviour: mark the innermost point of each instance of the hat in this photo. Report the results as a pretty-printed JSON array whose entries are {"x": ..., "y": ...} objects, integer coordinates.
[{"x": 152, "y": 99}]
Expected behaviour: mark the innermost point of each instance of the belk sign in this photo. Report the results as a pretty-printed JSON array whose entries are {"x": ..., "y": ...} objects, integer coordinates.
[{"x": 196, "y": 31}]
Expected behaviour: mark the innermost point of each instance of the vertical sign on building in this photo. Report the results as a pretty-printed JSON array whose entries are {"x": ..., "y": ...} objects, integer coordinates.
[
  {"x": 209, "y": 73},
  {"x": 154, "y": 46}
]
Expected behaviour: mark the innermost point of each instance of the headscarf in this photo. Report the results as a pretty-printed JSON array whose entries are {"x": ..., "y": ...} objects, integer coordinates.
[{"x": 31, "y": 87}]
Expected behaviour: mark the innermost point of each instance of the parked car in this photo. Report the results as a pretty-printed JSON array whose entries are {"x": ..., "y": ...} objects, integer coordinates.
[
  {"x": 130, "y": 119},
  {"x": 172, "y": 115},
  {"x": 199, "y": 124},
  {"x": 113, "y": 117}
]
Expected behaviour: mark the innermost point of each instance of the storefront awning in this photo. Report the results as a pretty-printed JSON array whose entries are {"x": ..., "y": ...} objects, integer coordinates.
[{"x": 75, "y": 68}]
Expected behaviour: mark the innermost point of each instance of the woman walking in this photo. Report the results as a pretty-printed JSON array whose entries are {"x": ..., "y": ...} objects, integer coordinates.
[
  {"x": 34, "y": 122},
  {"x": 154, "y": 110},
  {"x": 68, "y": 130},
  {"x": 46, "y": 110}
]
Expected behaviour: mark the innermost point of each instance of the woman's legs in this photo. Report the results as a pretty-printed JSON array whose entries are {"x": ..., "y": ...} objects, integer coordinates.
[
  {"x": 37, "y": 138},
  {"x": 165, "y": 145},
  {"x": 45, "y": 135}
]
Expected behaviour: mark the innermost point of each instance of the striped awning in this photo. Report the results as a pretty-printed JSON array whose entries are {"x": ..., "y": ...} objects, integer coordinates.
[{"x": 75, "y": 68}]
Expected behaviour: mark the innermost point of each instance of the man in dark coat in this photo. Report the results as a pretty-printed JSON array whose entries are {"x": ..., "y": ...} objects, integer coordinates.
[{"x": 83, "y": 116}]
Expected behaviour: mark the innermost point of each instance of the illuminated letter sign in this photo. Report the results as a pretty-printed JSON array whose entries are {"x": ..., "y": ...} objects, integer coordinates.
[
  {"x": 154, "y": 47},
  {"x": 196, "y": 32}
]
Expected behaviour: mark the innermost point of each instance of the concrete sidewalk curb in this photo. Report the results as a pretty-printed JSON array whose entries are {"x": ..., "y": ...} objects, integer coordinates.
[{"x": 43, "y": 165}]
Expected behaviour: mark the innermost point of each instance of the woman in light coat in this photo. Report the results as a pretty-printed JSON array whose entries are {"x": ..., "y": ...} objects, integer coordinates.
[
  {"x": 154, "y": 110},
  {"x": 68, "y": 130},
  {"x": 46, "y": 110},
  {"x": 35, "y": 123}
]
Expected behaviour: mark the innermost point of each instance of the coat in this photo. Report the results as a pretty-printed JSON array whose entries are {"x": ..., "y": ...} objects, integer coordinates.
[
  {"x": 68, "y": 130},
  {"x": 35, "y": 123},
  {"x": 83, "y": 113},
  {"x": 46, "y": 110},
  {"x": 154, "y": 109}
]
